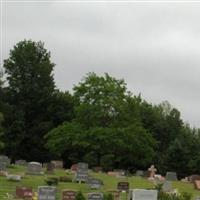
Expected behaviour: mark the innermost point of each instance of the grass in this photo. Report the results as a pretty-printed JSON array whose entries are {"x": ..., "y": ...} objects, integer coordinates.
[{"x": 110, "y": 183}]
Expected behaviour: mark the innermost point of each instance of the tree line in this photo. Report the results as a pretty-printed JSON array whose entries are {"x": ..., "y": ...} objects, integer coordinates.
[{"x": 100, "y": 122}]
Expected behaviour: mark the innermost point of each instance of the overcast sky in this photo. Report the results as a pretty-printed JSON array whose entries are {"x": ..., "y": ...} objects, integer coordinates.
[{"x": 155, "y": 47}]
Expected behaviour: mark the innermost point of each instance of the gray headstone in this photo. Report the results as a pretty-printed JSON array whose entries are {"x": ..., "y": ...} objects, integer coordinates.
[
  {"x": 21, "y": 162},
  {"x": 5, "y": 159},
  {"x": 34, "y": 168},
  {"x": 82, "y": 165},
  {"x": 12, "y": 177},
  {"x": 167, "y": 186},
  {"x": 81, "y": 175},
  {"x": 139, "y": 173},
  {"x": 46, "y": 193},
  {"x": 171, "y": 176},
  {"x": 2, "y": 166},
  {"x": 95, "y": 183},
  {"x": 95, "y": 196},
  {"x": 141, "y": 194}
]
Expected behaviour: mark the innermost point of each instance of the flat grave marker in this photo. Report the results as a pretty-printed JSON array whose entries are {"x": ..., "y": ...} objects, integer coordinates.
[
  {"x": 95, "y": 183},
  {"x": 95, "y": 196}
]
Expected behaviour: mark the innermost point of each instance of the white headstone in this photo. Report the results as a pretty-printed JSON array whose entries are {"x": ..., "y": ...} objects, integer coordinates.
[{"x": 141, "y": 194}]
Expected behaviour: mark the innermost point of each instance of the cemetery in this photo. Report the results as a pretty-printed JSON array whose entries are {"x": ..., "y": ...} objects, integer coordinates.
[{"x": 16, "y": 183}]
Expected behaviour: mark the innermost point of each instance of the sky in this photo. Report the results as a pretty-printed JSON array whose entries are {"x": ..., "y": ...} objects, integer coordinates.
[{"x": 153, "y": 46}]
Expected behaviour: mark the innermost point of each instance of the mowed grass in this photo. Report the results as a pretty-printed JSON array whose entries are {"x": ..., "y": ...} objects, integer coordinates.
[{"x": 110, "y": 183}]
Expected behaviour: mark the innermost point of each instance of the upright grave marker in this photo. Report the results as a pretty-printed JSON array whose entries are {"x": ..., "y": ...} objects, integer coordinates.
[
  {"x": 171, "y": 176},
  {"x": 123, "y": 186},
  {"x": 46, "y": 193},
  {"x": 24, "y": 192},
  {"x": 167, "y": 186},
  {"x": 21, "y": 162},
  {"x": 34, "y": 168},
  {"x": 5, "y": 159},
  {"x": 2, "y": 166},
  {"x": 68, "y": 195},
  {"x": 58, "y": 164},
  {"x": 82, "y": 172},
  {"x": 50, "y": 168},
  {"x": 141, "y": 194}
]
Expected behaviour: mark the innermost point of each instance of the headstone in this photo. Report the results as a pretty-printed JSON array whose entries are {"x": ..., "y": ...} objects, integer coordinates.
[
  {"x": 13, "y": 177},
  {"x": 95, "y": 183},
  {"x": 120, "y": 172},
  {"x": 97, "y": 169},
  {"x": 82, "y": 165},
  {"x": 123, "y": 186},
  {"x": 139, "y": 173},
  {"x": 152, "y": 170},
  {"x": 58, "y": 164},
  {"x": 68, "y": 195},
  {"x": 197, "y": 198},
  {"x": 167, "y": 186},
  {"x": 5, "y": 159},
  {"x": 171, "y": 176},
  {"x": 49, "y": 168},
  {"x": 24, "y": 192},
  {"x": 95, "y": 196},
  {"x": 193, "y": 178},
  {"x": 46, "y": 193},
  {"x": 2, "y": 166},
  {"x": 197, "y": 184},
  {"x": 34, "y": 168},
  {"x": 74, "y": 167},
  {"x": 115, "y": 193},
  {"x": 111, "y": 173},
  {"x": 141, "y": 194},
  {"x": 21, "y": 162},
  {"x": 81, "y": 175}
]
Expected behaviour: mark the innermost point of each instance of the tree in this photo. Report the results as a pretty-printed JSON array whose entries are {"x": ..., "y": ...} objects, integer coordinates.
[{"x": 29, "y": 74}]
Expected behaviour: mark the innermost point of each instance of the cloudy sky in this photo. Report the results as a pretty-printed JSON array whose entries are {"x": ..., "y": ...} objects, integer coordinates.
[{"x": 154, "y": 46}]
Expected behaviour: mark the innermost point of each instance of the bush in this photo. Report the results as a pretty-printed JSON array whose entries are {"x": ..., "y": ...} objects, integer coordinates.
[
  {"x": 79, "y": 196},
  {"x": 65, "y": 179},
  {"x": 51, "y": 181},
  {"x": 166, "y": 196},
  {"x": 108, "y": 196}
]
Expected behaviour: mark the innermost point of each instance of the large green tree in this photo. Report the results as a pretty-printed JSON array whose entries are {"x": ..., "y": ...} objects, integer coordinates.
[{"x": 30, "y": 89}]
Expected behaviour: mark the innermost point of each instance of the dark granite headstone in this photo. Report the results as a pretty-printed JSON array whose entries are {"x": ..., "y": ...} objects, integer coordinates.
[
  {"x": 24, "y": 192},
  {"x": 68, "y": 195},
  {"x": 123, "y": 186}
]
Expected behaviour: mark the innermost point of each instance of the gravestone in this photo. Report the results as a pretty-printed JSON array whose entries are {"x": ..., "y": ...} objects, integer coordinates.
[
  {"x": 97, "y": 169},
  {"x": 193, "y": 178},
  {"x": 68, "y": 195},
  {"x": 95, "y": 183},
  {"x": 13, "y": 177},
  {"x": 123, "y": 186},
  {"x": 197, "y": 198},
  {"x": 50, "y": 168},
  {"x": 82, "y": 165},
  {"x": 152, "y": 171},
  {"x": 46, "y": 193},
  {"x": 74, "y": 167},
  {"x": 24, "y": 192},
  {"x": 115, "y": 193},
  {"x": 197, "y": 184},
  {"x": 5, "y": 159},
  {"x": 21, "y": 162},
  {"x": 139, "y": 173},
  {"x": 81, "y": 175},
  {"x": 167, "y": 186},
  {"x": 2, "y": 166},
  {"x": 95, "y": 196},
  {"x": 171, "y": 176},
  {"x": 58, "y": 164},
  {"x": 120, "y": 172},
  {"x": 34, "y": 168},
  {"x": 141, "y": 194}
]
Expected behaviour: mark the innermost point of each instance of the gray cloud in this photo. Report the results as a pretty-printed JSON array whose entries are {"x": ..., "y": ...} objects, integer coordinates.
[{"x": 155, "y": 47}]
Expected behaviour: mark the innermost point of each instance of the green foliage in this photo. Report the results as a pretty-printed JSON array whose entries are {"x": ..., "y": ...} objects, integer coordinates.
[
  {"x": 80, "y": 196},
  {"x": 52, "y": 181},
  {"x": 108, "y": 196},
  {"x": 166, "y": 196}
]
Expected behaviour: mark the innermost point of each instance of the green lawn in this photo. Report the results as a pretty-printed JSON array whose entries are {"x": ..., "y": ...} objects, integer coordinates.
[{"x": 109, "y": 183}]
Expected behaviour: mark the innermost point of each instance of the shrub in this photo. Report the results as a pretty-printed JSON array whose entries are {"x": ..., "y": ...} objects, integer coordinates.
[
  {"x": 51, "y": 181},
  {"x": 79, "y": 196},
  {"x": 108, "y": 196}
]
